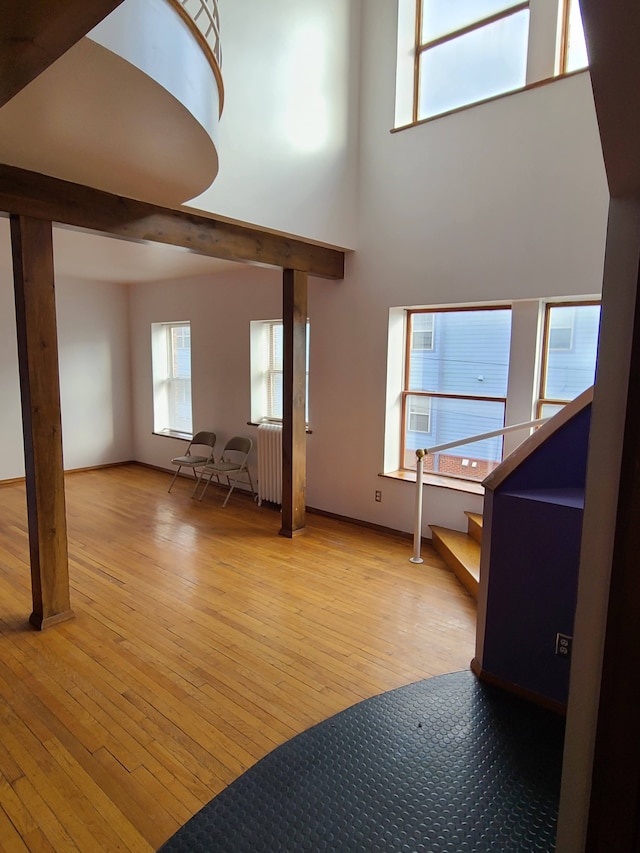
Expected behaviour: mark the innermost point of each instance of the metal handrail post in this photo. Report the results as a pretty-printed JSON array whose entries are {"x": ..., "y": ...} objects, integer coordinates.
[{"x": 417, "y": 529}]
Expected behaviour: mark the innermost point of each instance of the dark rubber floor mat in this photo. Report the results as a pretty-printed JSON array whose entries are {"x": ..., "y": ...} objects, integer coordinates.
[{"x": 446, "y": 764}]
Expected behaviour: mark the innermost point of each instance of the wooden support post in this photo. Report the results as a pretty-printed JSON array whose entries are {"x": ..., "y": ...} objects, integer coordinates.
[
  {"x": 294, "y": 438},
  {"x": 32, "y": 244}
]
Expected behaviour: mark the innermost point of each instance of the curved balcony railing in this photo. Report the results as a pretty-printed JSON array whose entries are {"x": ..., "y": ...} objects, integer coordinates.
[{"x": 203, "y": 19}]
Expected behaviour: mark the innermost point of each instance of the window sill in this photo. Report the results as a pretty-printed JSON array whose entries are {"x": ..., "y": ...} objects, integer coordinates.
[
  {"x": 472, "y": 487},
  {"x": 259, "y": 423},
  {"x": 172, "y": 433}
]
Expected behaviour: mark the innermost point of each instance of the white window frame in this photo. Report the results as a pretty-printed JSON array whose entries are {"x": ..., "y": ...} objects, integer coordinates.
[{"x": 166, "y": 419}]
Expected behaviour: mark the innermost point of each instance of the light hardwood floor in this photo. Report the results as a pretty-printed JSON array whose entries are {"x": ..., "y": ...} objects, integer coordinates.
[{"x": 202, "y": 640}]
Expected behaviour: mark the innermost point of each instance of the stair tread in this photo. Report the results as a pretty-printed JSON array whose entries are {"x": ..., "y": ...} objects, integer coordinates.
[
  {"x": 475, "y": 517},
  {"x": 462, "y": 547}
]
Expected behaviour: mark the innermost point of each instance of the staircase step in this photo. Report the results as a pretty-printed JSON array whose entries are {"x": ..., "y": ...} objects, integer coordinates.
[
  {"x": 461, "y": 553},
  {"x": 474, "y": 526}
]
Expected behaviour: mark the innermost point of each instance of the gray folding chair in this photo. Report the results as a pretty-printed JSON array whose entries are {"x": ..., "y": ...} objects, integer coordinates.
[
  {"x": 231, "y": 465},
  {"x": 192, "y": 460}
]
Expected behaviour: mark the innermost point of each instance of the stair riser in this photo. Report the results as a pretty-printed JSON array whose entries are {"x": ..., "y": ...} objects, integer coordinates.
[
  {"x": 474, "y": 528},
  {"x": 460, "y": 571}
]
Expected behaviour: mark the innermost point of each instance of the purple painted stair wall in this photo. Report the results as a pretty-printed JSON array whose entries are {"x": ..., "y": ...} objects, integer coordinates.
[{"x": 533, "y": 524}]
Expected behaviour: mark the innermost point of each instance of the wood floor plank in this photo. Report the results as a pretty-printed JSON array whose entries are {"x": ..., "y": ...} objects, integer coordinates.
[
  {"x": 202, "y": 640},
  {"x": 11, "y": 840}
]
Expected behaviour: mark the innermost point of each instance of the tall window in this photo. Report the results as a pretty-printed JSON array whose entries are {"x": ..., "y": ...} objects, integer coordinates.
[
  {"x": 267, "y": 370},
  {"x": 171, "y": 357},
  {"x": 455, "y": 387},
  {"x": 569, "y": 353}
]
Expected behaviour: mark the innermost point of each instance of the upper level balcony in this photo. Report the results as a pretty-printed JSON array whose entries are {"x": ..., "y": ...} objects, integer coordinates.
[{"x": 133, "y": 108}]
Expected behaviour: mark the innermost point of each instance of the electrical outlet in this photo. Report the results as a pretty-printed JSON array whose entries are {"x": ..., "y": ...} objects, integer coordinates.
[
  {"x": 563, "y": 645},
  {"x": 378, "y": 496}
]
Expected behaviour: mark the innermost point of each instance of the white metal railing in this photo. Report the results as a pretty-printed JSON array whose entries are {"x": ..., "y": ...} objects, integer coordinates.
[
  {"x": 422, "y": 452},
  {"x": 204, "y": 14}
]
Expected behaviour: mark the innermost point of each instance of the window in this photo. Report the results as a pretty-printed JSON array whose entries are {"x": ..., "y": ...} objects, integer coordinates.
[
  {"x": 452, "y": 53},
  {"x": 267, "y": 370},
  {"x": 574, "y": 47},
  {"x": 456, "y": 388},
  {"x": 468, "y": 51},
  {"x": 477, "y": 375},
  {"x": 171, "y": 361},
  {"x": 560, "y": 334},
  {"x": 569, "y": 353}
]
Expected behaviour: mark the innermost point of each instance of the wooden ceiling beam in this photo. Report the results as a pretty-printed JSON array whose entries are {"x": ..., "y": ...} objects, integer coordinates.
[
  {"x": 34, "y": 33},
  {"x": 42, "y": 197}
]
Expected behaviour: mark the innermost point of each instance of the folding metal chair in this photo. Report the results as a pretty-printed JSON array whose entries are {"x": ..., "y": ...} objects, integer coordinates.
[
  {"x": 231, "y": 465},
  {"x": 192, "y": 460}
]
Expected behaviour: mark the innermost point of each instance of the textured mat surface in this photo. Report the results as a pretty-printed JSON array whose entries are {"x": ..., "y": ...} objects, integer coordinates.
[{"x": 446, "y": 764}]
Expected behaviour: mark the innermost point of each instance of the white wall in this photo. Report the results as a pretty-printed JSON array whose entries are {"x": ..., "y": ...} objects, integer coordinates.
[
  {"x": 502, "y": 201},
  {"x": 95, "y": 380},
  {"x": 288, "y": 133},
  {"x": 95, "y": 387},
  {"x": 219, "y": 309}
]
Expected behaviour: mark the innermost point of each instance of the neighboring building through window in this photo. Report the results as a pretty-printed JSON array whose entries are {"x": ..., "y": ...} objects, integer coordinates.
[
  {"x": 467, "y": 376},
  {"x": 452, "y": 53},
  {"x": 171, "y": 361},
  {"x": 456, "y": 388},
  {"x": 422, "y": 331},
  {"x": 267, "y": 370},
  {"x": 569, "y": 353}
]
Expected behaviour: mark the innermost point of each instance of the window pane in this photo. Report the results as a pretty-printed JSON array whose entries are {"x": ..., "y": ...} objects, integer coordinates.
[
  {"x": 576, "y": 45},
  {"x": 571, "y": 350},
  {"x": 452, "y": 420},
  {"x": 419, "y": 414},
  {"x": 422, "y": 331},
  {"x": 478, "y": 65},
  {"x": 276, "y": 346},
  {"x": 440, "y": 17},
  {"x": 470, "y": 354},
  {"x": 548, "y": 410},
  {"x": 179, "y": 393},
  {"x": 275, "y": 396},
  {"x": 180, "y": 352}
]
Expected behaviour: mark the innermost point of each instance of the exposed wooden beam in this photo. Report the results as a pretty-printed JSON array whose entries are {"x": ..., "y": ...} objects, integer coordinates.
[
  {"x": 30, "y": 194},
  {"x": 294, "y": 393},
  {"x": 32, "y": 246},
  {"x": 611, "y": 30},
  {"x": 34, "y": 33}
]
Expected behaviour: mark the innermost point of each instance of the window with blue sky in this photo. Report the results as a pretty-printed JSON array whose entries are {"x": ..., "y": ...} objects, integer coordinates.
[{"x": 453, "y": 53}]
